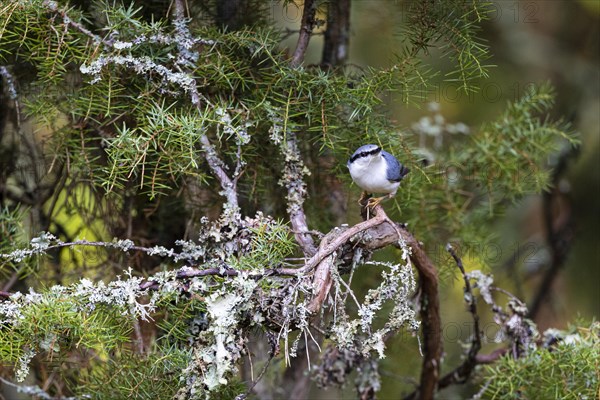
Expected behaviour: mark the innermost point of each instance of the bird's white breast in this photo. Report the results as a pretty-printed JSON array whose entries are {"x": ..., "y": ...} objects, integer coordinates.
[{"x": 370, "y": 174}]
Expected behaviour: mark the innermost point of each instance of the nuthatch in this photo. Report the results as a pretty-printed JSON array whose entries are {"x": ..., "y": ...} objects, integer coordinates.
[{"x": 376, "y": 171}]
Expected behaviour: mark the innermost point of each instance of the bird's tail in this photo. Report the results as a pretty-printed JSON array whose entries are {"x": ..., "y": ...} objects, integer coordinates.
[{"x": 403, "y": 171}]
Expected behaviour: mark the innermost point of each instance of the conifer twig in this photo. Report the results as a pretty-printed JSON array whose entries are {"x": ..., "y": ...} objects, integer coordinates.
[
  {"x": 53, "y": 6},
  {"x": 214, "y": 162}
]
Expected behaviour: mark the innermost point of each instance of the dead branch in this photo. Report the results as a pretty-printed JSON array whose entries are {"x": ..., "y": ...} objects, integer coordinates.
[
  {"x": 328, "y": 246},
  {"x": 430, "y": 317},
  {"x": 492, "y": 357}
]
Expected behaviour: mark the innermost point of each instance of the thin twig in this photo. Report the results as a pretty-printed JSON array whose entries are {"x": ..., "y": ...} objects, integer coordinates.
[
  {"x": 188, "y": 273},
  {"x": 350, "y": 292},
  {"x": 53, "y": 6},
  {"x": 258, "y": 378},
  {"x": 239, "y": 166},
  {"x": 558, "y": 237},
  {"x": 13, "y": 279},
  {"x": 492, "y": 357},
  {"x": 461, "y": 373}
]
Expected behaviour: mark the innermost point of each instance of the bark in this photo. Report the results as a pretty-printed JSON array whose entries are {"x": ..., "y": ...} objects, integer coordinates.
[{"x": 337, "y": 34}]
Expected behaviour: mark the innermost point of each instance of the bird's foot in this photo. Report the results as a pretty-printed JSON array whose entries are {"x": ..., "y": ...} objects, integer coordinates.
[
  {"x": 374, "y": 201},
  {"x": 363, "y": 199}
]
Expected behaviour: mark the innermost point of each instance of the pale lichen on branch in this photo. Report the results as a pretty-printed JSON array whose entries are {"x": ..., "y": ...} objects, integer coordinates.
[{"x": 282, "y": 303}]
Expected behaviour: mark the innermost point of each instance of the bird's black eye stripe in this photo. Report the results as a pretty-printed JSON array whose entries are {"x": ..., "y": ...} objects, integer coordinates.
[{"x": 365, "y": 153}]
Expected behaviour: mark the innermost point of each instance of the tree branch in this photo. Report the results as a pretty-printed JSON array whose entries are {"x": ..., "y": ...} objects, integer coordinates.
[
  {"x": 430, "y": 317},
  {"x": 194, "y": 272},
  {"x": 390, "y": 233},
  {"x": 185, "y": 41},
  {"x": 492, "y": 357},
  {"x": 296, "y": 192},
  {"x": 379, "y": 231},
  {"x": 53, "y": 6},
  {"x": 306, "y": 26},
  {"x": 328, "y": 246}
]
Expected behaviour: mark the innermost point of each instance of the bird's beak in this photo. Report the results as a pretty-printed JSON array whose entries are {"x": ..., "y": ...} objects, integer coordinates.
[{"x": 371, "y": 160}]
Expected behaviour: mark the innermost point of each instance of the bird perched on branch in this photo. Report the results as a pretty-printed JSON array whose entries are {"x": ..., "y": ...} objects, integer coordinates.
[{"x": 376, "y": 171}]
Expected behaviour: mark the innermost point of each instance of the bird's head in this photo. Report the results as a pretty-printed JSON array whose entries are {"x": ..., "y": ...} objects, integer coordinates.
[{"x": 364, "y": 155}]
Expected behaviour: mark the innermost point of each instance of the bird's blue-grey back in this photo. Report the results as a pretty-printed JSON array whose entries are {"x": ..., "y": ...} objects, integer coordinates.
[{"x": 395, "y": 170}]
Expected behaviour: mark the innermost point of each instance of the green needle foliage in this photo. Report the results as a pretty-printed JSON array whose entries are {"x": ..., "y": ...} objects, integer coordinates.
[
  {"x": 54, "y": 325},
  {"x": 454, "y": 26},
  {"x": 136, "y": 109},
  {"x": 488, "y": 170},
  {"x": 11, "y": 232},
  {"x": 131, "y": 376},
  {"x": 568, "y": 370}
]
